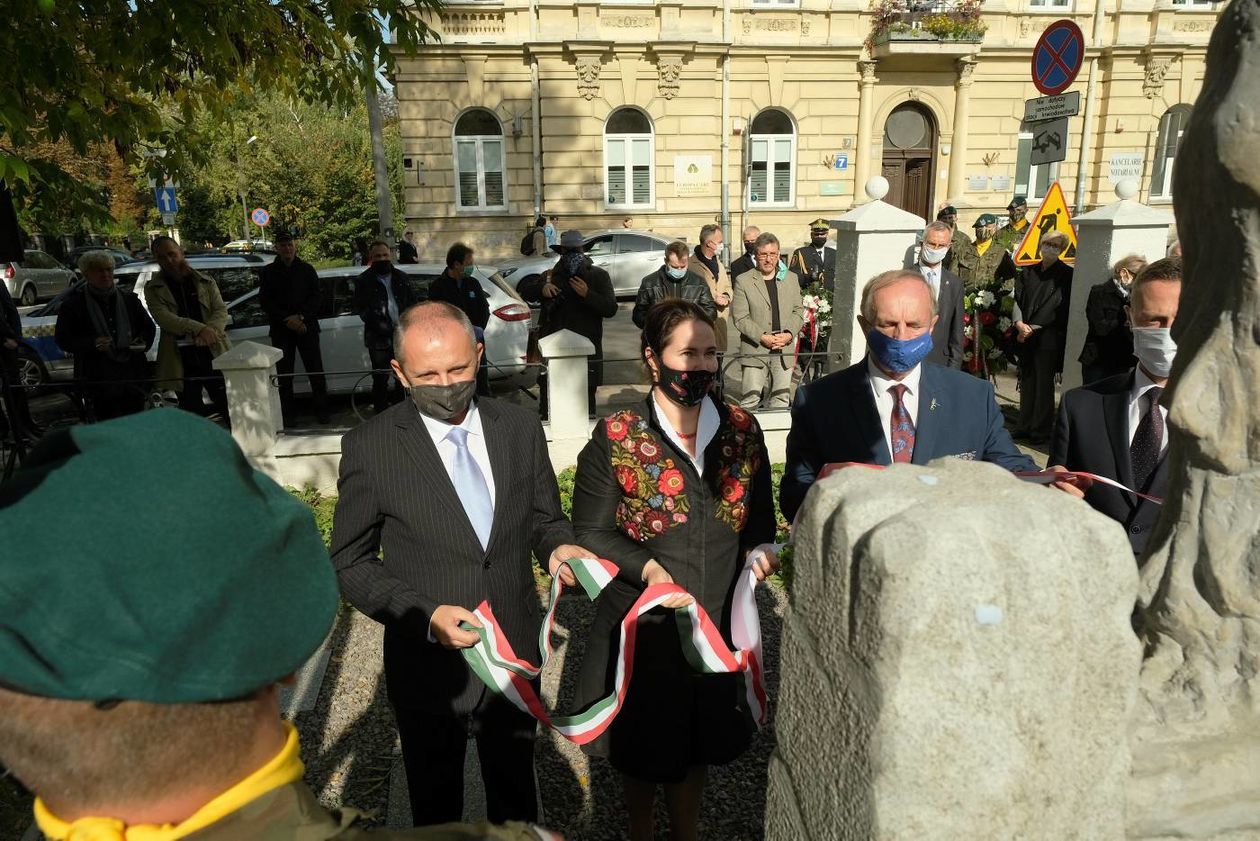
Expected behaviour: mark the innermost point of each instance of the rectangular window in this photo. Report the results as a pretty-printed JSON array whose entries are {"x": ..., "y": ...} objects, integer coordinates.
[
  {"x": 1049, "y": 4},
  {"x": 629, "y": 171},
  {"x": 770, "y": 179},
  {"x": 1199, "y": 4},
  {"x": 1032, "y": 181},
  {"x": 479, "y": 174},
  {"x": 777, "y": 4}
]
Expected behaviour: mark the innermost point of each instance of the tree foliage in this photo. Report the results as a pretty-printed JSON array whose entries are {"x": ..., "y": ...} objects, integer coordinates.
[{"x": 146, "y": 74}]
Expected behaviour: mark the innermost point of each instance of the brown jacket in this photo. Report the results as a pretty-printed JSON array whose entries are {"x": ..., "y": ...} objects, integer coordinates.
[
  {"x": 718, "y": 286},
  {"x": 160, "y": 300}
]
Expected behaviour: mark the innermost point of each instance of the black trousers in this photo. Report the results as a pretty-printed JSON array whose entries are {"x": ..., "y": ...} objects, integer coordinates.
[
  {"x": 386, "y": 390},
  {"x": 307, "y": 344},
  {"x": 117, "y": 400},
  {"x": 1040, "y": 359},
  {"x": 199, "y": 376},
  {"x": 433, "y": 748},
  {"x": 22, "y": 423}
]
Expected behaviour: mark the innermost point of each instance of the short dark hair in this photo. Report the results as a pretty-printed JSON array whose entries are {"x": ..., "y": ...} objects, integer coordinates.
[
  {"x": 663, "y": 319},
  {"x": 457, "y": 253},
  {"x": 161, "y": 239},
  {"x": 766, "y": 238},
  {"x": 377, "y": 242},
  {"x": 678, "y": 248},
  {"x": 708, "y": 231},
  {"x": 1167, "y": 270}
]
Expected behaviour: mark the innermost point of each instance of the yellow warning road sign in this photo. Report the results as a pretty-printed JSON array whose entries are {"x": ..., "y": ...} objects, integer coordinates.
[{"x": 1053, "y": 216}]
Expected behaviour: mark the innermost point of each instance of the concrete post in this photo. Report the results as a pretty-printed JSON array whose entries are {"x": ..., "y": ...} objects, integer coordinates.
[
  {"x": 866, "y": 119},
  {"x": 1104, "y": 236},
  {"x": 253, "y": 401},
  {"x": 565, "y": 354},
  {"x": 870, "y": 239},
  {"x": 962, "y": 115}
]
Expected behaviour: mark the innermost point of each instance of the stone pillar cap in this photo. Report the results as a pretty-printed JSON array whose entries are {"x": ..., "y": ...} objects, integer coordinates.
[
  {"x": 564, "y": 344},
  {"x": 248, "y": 355}
]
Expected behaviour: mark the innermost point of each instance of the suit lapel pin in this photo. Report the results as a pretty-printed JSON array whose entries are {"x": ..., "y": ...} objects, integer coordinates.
[{"x": 932, "y": 407}]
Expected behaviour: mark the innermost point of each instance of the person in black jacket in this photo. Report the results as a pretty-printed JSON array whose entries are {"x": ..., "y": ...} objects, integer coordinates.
[
  {"x": 380, "y": 295},
  {"x": 1042, "y": 295},
  {"x": 746, "y": 262},
  {"x": 458, "y": 287},
  {"x": 108, "y": 332},
  {"x": 1108, "y": 348},
  {"x": 407, "y": 252},
  {"x": 576, "y": 295},
  {"x": 289, "y": 293},
  {"x": 672, "y": 280},
  {"x": 18, "y": 413}
]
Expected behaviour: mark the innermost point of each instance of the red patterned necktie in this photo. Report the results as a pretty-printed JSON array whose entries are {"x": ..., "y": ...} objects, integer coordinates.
[{"x": 902, "y": 427}]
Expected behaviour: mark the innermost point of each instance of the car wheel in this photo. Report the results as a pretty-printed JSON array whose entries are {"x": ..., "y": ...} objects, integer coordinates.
[
  {"x": 32, "y": 373},
  {"x": 28, "y": 296}
]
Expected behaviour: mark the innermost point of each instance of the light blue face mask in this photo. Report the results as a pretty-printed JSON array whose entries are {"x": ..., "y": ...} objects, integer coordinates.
[
  {"x": 898, "y": 355},
  {"x": 781, "y": 274},
  {"x": 676, "y": 274}
]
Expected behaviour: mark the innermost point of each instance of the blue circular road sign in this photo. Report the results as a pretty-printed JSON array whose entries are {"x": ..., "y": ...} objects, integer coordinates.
[{"x": 1057, "y": 57}]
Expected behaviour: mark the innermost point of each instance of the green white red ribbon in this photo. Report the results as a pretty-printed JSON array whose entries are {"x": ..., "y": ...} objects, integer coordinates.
[{"x": 493, "y": 660}]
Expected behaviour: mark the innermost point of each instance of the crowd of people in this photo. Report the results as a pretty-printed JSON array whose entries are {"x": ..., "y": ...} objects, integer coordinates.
[{"x": 446, "y": 498}]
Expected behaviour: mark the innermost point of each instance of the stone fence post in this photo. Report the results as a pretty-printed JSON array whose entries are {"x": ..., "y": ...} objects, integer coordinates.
[
  {"x": 253, "y": 400},
  {"x": 870, "y": 239},
  {"x": 1103, "y": 237},
  {"x": 566, "y": 354}
]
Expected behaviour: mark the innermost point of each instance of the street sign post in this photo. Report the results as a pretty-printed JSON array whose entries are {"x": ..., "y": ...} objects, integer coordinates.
[
  {"x": 1052, "y": 107},
  {"x": 168, "y": 219},
  {"x": 1057, "y": 57},
  {"x": 1050, "y": 142},
  {"x": 261, "y": 217}
]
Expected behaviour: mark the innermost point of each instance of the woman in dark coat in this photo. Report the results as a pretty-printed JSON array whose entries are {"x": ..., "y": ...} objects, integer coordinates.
[
  {"x": 677, "y": 490},
  {"x": 1042, "y": 299},
  {"x": 1108, "y": 348}
]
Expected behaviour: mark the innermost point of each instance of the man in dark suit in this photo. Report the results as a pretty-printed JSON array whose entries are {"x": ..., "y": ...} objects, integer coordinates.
[
  {"x": 381, "y": 293},
  {"x": 288, "y": 290},
  {"x": 746, "y": 261},
  {"x": 1115, "y": 427},
  {"x": 892, "y": 407},
  {"x": 947, "y": 287},
  {"x": 442, "y": 499}
]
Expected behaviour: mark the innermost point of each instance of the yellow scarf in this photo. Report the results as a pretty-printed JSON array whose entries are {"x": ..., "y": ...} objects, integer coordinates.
[
  {"x": 982, "y": 247},
  {"x": 1020, "y": 225},
  {"x": 286, "y": 767}
]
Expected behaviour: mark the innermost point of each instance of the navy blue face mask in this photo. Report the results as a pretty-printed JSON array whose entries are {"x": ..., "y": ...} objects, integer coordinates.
[{"x": 898, "y": 355}]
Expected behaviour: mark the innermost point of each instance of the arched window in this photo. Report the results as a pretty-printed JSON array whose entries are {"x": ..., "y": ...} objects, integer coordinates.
[
  {"x": 772, "y": 176},
  {"x": 1171, "y": 127},
  {"x": 479, "y": 165},
  {"x": 628, "y": 159}
]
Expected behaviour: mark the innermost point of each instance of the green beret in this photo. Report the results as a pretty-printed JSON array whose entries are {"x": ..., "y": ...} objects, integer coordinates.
[
  {"x": 144, "y": 559},
  {"x": 985, "y": 219}
]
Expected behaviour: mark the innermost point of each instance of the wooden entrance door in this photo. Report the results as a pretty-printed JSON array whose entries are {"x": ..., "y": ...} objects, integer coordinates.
[{"x": 909, "y": 159}]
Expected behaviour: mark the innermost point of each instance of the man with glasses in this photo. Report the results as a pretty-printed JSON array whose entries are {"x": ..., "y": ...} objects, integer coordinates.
[{"x": 767, "y": 311}]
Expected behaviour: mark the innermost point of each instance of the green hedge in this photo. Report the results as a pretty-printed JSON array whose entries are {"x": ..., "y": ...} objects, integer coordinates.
[{"x": 322, "y": 507}]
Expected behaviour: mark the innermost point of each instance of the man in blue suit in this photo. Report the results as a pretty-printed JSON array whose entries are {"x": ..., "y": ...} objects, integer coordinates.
[{"x": 892, "y": 407}]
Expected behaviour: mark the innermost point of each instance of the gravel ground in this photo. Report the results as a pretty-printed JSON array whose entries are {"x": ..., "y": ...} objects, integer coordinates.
[{"x": 350, "y": 745}]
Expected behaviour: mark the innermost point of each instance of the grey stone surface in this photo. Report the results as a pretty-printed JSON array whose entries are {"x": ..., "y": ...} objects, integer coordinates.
[
  {"x": 1196, "y": 738},
  {"x": 958, "y": 662}
]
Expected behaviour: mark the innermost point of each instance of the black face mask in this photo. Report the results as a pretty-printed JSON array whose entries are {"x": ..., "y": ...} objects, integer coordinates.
[
  {"x": 443, "y": 402},
  {"x": 818, "y": 242},
  {"x": 383, "y": 267},
  {"x": 750, "y": 247},
  {"x": 686, "y": 388}
]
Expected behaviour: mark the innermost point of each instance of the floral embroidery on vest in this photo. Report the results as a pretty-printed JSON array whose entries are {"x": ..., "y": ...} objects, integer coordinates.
[
  {"x": 740, "y": 459},
  {"x": 654, "y": 497}
]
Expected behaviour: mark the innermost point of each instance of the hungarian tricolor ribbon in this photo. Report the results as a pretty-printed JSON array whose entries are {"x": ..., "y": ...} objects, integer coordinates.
[{"x": 493, "y": 660}]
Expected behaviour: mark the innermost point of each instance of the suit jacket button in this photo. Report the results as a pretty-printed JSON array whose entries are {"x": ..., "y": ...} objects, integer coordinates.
[
  {"x": 1132, "y": 530},
  {"x": 486, "y": 565}
]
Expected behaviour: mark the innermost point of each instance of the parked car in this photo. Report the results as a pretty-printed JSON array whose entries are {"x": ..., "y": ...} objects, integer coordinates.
[
  {"x": 341, "y": 329},
  {"x": 627, "y": 255},
  {"x": 121, "y": 258},
  {"x": 235, "y": 274},
  {"x": 249, "y": 246},
  {"x": 37, "y": 278}
]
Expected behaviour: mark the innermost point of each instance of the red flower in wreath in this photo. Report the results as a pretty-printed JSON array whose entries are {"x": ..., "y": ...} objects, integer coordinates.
[
  {"x": 987, "y": 318},
  {"x": 649, "y": 452},
  {"x": 966, "y": 342},
  {"x": 732, "y": 489},
  {"x": 740, "y": 419},
  {"x": 627, "y": 479},
  {"x": 966, "y": 318},
  {"x": 617, "y": 428},
  {"x": 655, "y": 522},
  {"x": 671, "y": 482}
]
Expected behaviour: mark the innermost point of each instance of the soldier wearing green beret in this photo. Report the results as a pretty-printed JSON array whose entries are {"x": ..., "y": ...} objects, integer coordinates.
[
  {"x": 992, "y": 262},
  {"x": 143, "y": 638},
  {"x": 1016, "y": 227},
  {"x": 962, "y": 254}
]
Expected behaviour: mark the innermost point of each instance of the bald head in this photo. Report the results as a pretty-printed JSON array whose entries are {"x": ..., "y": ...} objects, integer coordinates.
[
  {"x": 899, "y": 304},
  {"x": 434, "y": 343}
]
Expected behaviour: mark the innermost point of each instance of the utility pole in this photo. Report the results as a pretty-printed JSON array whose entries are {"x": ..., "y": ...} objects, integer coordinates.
[{"x": 384, "y": 201}]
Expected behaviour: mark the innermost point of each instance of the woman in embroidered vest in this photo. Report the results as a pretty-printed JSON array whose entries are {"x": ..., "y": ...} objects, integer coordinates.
[{"x": 677, "y": 490}]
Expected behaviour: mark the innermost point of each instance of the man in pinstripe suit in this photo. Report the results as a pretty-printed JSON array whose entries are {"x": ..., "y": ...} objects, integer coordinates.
[{"x": 441, "y": 501}]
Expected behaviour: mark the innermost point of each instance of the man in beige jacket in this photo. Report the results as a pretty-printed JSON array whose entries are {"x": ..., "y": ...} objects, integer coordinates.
[
  {"x": 767, "y": 311},
  {"x": 704, "y": 262},
  {"x": 190, "y": 311}
]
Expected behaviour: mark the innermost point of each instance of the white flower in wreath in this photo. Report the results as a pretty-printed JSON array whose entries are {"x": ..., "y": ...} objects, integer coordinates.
[
  {"x": 967, "y": 331},
  {"x": 1004, "y": 324},
  {"x": 824, "y": 305},
  {"x": 985, "y": 298}
]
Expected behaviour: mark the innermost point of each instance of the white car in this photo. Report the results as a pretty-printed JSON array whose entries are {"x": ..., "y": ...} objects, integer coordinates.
[
  {"x": 627, "y": 255},
  {"x": 341, "y": 329}
]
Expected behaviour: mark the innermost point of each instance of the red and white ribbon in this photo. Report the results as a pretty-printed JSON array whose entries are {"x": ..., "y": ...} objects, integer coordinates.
[
  {"x": 1046, "y": 477},
  {"x": 493, "y": 660}
]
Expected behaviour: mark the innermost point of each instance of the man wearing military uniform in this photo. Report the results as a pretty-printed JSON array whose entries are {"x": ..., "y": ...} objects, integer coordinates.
[
  {"x": 1012, "y": 233},
  {"x": 816, "y": 262},
  {"x": 962, "y": 254},
  {"x": 991, "y": 263},
  {"x": 138, "y": 677}
]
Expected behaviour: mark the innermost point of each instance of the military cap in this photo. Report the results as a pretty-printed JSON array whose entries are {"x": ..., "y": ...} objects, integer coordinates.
[
  {"x": 1016, "y": 202},
  {"x": 947, "y": 210},
  {"x": 820, "y": 225},
  {"x": 144, "y": 559},
  {"x": 284, "y": 236},
  {"x": 985, "y": 219}
]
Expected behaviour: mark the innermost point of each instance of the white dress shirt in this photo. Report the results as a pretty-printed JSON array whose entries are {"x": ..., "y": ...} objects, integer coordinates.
[
  {"x": 1140, "y": 404},
  {"x": 706, "y": 429},
  {"x": 932, "y": 274},
  {"x": 880, "y": 383},
  {"x": 476, "y": 444}
]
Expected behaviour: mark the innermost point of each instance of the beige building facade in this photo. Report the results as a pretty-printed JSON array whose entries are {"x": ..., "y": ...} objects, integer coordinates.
[{"x": 771, "y": 112}]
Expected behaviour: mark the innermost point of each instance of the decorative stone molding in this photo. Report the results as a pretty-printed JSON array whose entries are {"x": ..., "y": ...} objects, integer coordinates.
[
  {"x": 913, "y": 94},
  {"x": 588, "y": 67},
  {"x": 1026, "y": 27},
  {"x": 765, "y": 24},
  {"x": 669, "y": 72},
  {"x": 474, "y": 23},
  {"x": 1157, "y": 67},
  {"x": 966, "y": 68},
  {"x": 866, "y": 70}
]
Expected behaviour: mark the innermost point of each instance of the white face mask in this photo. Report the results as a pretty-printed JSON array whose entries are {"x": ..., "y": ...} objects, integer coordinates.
[
  {"x": 1155, "y": 349},
  {"x": 933, "y": 256}
]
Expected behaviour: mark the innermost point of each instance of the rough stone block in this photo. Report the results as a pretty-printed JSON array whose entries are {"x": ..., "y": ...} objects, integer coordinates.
[{"x": 958, "y": 662}]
